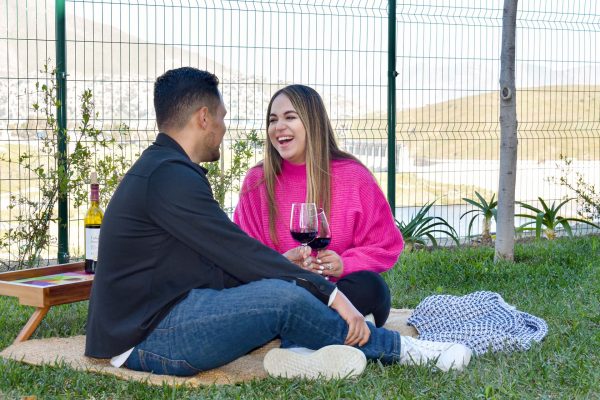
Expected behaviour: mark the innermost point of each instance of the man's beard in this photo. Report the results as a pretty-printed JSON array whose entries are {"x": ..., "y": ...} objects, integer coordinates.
[{"x": 215, "y": 155}]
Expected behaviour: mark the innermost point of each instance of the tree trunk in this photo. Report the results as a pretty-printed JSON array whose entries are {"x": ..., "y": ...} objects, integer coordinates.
[{"x": 505, "y": 235}]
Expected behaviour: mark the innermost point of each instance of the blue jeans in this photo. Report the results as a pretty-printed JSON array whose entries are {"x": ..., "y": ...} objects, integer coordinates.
[{"x": 211, "y": 328}]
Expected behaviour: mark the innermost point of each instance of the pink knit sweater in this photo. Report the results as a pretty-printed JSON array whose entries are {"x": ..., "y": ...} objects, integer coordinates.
[{"x": 362, "y": 226}]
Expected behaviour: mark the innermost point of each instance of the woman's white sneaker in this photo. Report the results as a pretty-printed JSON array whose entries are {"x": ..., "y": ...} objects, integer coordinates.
[
  {"x": 446, "y": 355},
  {"x": 335, "y": 361}
]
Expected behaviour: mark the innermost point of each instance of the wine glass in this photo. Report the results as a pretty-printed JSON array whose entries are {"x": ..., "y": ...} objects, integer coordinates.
[
  {"x": 304, "y": 222},
  {"x": 323, "y": 233}
]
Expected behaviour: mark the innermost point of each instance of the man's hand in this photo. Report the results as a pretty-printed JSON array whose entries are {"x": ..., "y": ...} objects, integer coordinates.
[
  {"x": 300, "y": 256},
  {"x": 358, "y": 331}
]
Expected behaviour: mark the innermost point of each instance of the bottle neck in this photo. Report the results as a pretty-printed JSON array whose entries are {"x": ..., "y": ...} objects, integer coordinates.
[{"x": 95, "y": 193}]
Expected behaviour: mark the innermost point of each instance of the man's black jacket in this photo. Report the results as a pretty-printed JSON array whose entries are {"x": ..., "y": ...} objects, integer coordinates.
[{"x": 164, "y": 234}]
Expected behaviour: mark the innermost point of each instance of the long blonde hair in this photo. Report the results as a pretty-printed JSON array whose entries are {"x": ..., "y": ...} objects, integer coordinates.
[{"x": 321, "y": 148}]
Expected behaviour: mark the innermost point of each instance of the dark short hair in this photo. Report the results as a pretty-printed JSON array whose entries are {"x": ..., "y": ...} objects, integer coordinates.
[{"x": 182, "y": 91}]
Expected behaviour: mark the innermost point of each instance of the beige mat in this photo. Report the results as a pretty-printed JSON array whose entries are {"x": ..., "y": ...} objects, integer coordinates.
[{"x": 70, "y": 351}]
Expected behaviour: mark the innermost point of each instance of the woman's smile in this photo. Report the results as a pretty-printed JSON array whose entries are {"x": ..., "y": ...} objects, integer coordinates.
[{"x": 286, "y": 131}]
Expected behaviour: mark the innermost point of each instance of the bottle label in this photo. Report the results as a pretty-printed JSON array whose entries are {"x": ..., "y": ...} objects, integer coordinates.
[{"x": 91, "y": 243}]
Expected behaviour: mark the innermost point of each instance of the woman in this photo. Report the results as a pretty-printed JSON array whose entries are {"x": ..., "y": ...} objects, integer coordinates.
[{"x": 303, "y": 163}]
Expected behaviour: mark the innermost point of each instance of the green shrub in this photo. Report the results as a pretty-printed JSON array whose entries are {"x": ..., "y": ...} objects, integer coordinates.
[
  {"x": 85, "y": 153},
  {"x": 548, "y": 218},
  {"x": 421, "y": 228}
]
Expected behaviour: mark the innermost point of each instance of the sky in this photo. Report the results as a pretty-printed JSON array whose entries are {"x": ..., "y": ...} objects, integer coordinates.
[{"x": 445, "y": 49}]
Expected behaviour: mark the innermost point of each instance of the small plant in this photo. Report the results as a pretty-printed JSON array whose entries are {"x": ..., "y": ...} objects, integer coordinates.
[
  {"x": 587, "y": 197},
  {"x": 224, "y": 180},
  {"x": 421, "y": 228},
  {"x": 486, "y": 209},
  {"x": 548, "y": 218},
  {"x": 86, "y": 151}
]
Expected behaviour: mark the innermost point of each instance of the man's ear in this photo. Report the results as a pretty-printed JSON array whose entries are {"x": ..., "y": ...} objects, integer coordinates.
[{"x": 201, "y": 117}]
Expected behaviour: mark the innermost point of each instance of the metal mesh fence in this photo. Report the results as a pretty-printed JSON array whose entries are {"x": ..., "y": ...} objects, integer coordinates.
[
  {"x": 447, "y": 105},
  {"x": 448, "y": 114},
  {"x": 27, "y": 41}
]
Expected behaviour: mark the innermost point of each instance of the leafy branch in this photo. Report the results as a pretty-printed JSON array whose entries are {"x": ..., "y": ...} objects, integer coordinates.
[
  {"x": 588, "y": 199},
  {"x": 88, "y": 149},
  {"x": 224, "y": 180}
]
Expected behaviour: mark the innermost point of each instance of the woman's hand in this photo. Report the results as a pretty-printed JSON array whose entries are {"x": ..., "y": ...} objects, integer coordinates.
[
  {"x": 358, "y": 331},
  {"x": 328, "y": 263},
  {"x": 300, "y": 256}
]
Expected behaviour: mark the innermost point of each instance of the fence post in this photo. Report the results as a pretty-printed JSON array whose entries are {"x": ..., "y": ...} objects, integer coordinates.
[
  {"x": 505, "y": 229},
  {"x": 391, "y": 110},
  {"x": 61, "y": 113}
]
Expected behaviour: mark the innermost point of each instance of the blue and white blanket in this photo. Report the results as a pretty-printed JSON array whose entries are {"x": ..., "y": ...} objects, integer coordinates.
[{"x": 482, "y": 321}]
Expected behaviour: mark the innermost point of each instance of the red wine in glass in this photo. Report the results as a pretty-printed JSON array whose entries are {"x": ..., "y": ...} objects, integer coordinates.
[
  {"x": 304, "y": 237},
  {"x": 323, "y": 237},
  {"x": 304, "y": 222},
  {"x": 319, "y": 243}
]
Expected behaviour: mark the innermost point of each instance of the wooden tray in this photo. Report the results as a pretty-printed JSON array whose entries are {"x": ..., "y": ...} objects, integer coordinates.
[{"x": 46, "y": 287}]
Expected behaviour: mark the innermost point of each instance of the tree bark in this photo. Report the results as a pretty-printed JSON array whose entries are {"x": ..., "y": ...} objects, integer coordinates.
[{"x": 505, "y": 235}]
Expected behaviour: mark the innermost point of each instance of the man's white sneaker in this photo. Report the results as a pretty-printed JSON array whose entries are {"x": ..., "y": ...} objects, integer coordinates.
[
  {"x": 446, "y": 355},
  {"x": 335, "y": 361}
]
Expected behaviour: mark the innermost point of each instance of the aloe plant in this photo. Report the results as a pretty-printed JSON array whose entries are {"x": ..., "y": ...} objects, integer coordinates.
[
  {"x": 421, "y": 228},
  {"x": 548, "y": 218},
  {"x": 486, "y": 209}
]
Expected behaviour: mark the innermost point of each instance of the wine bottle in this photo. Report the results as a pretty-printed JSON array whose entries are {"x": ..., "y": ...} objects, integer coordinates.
[{"x": 92, "y": 222}]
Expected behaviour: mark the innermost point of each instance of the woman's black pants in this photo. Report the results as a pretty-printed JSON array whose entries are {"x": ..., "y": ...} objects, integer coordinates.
[{"x": 369, "y": 293}]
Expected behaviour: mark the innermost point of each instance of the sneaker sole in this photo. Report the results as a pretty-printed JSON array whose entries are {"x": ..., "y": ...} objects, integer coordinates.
[{"x": 329, "y": 362}]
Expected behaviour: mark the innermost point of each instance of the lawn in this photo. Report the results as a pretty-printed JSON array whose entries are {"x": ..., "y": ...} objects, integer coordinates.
[{"x": 558, "y": 281}]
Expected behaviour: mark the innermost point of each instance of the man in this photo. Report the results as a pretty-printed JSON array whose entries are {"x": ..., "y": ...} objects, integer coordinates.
[{"x": 179, "y": 288}]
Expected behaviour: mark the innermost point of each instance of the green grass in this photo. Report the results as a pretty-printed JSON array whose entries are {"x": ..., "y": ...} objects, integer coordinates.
[{"x": 558, "y": 281}]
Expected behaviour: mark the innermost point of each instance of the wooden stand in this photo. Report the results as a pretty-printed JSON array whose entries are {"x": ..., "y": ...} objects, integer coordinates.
[{"x": 44, "y": 297}]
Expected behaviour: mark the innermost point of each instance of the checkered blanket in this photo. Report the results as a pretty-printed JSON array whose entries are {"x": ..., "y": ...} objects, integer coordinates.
[{"x": 482, "y": 321}]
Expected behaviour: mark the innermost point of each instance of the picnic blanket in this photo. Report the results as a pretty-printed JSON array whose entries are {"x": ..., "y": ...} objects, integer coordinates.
[
  {"x": 70, "y": 352},
  {"x": 482, "y": 321}
]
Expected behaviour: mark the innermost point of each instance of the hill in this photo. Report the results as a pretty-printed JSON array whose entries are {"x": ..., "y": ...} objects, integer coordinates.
[{"x": 552, "y": 120}]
